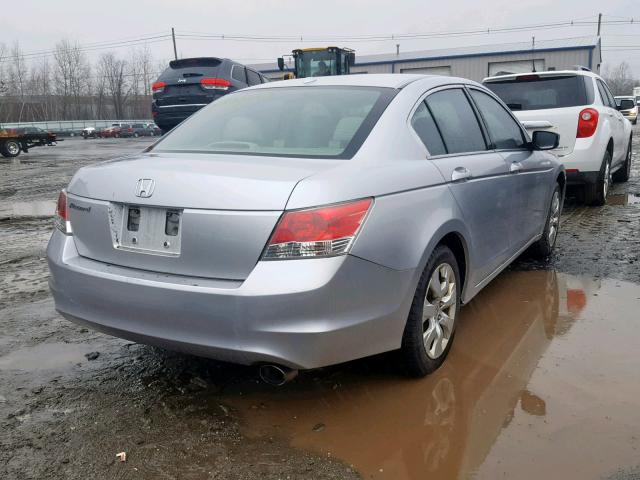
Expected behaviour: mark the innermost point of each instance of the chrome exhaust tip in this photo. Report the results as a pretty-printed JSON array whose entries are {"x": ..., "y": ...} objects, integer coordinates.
[{"x": 276, "y": 375}]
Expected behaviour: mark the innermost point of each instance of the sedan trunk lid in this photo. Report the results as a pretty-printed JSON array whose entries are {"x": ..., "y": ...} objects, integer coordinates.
[{"x": 209, "y": 217}]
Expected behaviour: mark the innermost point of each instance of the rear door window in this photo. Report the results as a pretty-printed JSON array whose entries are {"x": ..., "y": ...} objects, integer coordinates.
[
  {"x": 612, "y": 101},
  {"x": 238, "y": 73},
  {"x": 537, "y": 92},
  {"x": 504, "y": 131},
  {"x": 426, "y": 128},
  {"x": 253, "y": 77},
  {"x": 456, "y": 121}
]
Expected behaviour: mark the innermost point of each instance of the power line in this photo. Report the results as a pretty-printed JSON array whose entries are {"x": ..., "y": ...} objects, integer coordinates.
[{"x": 399, "y": 36}]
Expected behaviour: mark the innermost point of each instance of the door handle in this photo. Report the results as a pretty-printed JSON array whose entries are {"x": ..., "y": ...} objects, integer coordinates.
[
  {"x": 460, "y": 173},
  {"x": 515, "y": 167}
]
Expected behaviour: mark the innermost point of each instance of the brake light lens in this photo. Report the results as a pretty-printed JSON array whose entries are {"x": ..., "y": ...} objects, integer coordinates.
[
  {"x": 158, "y": 87},
  {"x": 61, "y": 219},
  {"x": 215, "y": 83},
  {"x": 527, "y": 78},
  {"x": 587, "y": 123},
  {"x": 317, "y": 232}
]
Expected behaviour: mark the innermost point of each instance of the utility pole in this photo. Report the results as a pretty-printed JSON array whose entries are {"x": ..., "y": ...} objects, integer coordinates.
[
  {"x": 173, "y": 36},
  {"x": 533, "y": 53},
  {"x": 599, "y": 22}
]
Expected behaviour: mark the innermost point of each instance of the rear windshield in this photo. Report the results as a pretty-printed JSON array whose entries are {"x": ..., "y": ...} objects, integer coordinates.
[
  {"x": 533, "y": 92},
  {"x": 190, "y": 68},
  {"x": 308, "y": 121}
]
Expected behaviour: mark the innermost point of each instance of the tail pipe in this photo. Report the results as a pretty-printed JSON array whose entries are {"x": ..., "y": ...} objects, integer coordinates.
[{"x": 276, "y": 375}]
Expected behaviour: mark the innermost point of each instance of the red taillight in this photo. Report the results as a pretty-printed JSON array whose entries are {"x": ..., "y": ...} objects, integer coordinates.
[
  {"x": 158, "y": 87},
  {"x": 215, "y": 83},
  {"x": 587, "y": 122},
  {"x": 317, "y": 232},
  {"x": 62, "y": 214}
]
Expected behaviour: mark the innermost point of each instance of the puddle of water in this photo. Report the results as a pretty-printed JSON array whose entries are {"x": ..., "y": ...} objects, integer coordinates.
[
  {"x": 542, "y": 380},
  {"x": 44, "y": 356},
  {"x": 623, "y": 199},
  {"x": 42, "y": 208}
]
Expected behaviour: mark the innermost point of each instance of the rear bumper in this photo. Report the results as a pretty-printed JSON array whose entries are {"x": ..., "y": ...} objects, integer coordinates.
[
  {"x": 584, "y": 162},
  {"x": 299, "y": 313}
]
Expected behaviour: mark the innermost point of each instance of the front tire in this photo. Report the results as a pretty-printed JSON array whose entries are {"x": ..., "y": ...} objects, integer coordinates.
[
  {"x": 431, "y": 324},
  {"x": 596, "y": 194},
  {"x": 544, "y": 246},
  {"x": 623, "y": 174}
]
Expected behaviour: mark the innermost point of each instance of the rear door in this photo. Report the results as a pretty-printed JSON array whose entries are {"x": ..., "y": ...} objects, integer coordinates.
[
  {"x": 253, "y": 77},
  {"x": 531, "y": 169},
  {"x": 478, "y": 177},
  {"x": 616, "y": 121}
]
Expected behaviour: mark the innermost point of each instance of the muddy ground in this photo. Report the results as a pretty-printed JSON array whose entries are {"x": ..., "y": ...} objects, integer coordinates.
[{"x": 542, "y": 379}]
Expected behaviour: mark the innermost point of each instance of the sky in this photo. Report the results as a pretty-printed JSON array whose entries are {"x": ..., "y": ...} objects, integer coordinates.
[{"x": 89, "y": 22}]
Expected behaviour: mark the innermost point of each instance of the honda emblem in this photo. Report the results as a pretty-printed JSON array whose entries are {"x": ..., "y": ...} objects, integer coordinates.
[{"x": 144, "y": 187}]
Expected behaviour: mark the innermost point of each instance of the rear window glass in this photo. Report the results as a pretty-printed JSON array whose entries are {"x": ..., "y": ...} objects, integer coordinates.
[
  {"x": 316, "y": 122},
  {"x": 191, "y": 69},
  {"x": 540, "y": 92}
]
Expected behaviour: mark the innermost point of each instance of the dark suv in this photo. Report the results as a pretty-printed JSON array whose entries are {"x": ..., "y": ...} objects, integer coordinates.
[{"x": 189, "y": 84}]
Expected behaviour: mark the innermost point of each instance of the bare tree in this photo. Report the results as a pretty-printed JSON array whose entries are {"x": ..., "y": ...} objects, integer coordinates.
[
  {"x": 116, "y": 86},
  {"x": 18, "y": 73},
  {"x": 72, "y": 75},
  {"x": 620, "y": 79}
]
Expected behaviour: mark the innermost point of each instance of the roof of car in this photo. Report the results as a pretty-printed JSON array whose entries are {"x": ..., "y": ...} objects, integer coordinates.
[
  {"x": 546, "y": 73},
  {"x": 389, "y": 80}
]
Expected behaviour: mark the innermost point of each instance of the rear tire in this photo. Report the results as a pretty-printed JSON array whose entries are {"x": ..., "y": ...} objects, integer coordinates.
[
  {"x": 544, "y": 246},
  {"x": 10, "y": 148},
  {"x": 596, "y": 194},
  {"x": 431, "y": 325},
  {"x": 623, "y": 174}
]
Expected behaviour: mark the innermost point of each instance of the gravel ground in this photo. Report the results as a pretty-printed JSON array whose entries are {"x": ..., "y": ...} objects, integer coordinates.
[{"x": 65, "y": 412}]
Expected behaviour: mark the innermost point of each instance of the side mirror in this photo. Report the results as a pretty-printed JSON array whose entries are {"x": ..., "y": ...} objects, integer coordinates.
[
  {"x": 543, "y": 140},
  {"x": 281, "y": 63},
  {"x": 626, "y": 105},
  {"x": 352, "y": 58}
]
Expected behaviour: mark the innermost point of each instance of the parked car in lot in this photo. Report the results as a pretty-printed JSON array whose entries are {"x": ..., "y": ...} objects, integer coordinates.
[
  {"x": 595, "y": 140},
  {"x": 89, "y": 132},
  {"x": 189, "y": 84},
  {"x": 357, "y": 222},
  {"x": 117, "y": 130},
  {"x": 628, "y": 108},
  {"x": 143, "y": 130}
]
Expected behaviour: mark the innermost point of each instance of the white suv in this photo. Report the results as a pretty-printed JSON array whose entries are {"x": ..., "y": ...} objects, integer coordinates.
[{"x": 595, "y": 139}]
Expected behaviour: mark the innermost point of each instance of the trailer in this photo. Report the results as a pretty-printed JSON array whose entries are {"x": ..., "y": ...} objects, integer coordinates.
[{"x": 16, "y": 140}]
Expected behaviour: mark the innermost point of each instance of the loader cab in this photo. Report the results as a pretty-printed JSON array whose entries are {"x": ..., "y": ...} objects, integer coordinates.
[{"x": 320, "y": 62}]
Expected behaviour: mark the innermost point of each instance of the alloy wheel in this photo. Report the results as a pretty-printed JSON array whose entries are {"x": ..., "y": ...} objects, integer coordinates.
[
  {"x": 439, "y": 310},
  {"x": 607, "y": 179},
  {"x": 13, "y": 148},
  {"x": 554, "y": 218}
]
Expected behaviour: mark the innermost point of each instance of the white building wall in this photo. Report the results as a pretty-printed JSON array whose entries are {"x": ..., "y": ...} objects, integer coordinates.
[{"x": 477, "y": 68}]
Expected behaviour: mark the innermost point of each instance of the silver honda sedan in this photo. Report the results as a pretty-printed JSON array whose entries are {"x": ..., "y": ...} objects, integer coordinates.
[{"x": 304, "y": 223}]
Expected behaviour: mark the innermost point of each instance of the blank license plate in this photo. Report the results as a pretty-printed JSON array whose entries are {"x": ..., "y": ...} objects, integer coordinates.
[{"x": 151, "y": 230}]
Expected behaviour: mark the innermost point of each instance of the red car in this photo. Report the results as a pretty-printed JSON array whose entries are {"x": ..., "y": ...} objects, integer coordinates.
[{"x": 116, "y": 131}]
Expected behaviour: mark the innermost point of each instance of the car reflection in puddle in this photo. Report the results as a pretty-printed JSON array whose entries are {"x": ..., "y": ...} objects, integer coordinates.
[{"x": 542, "y": 381}]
